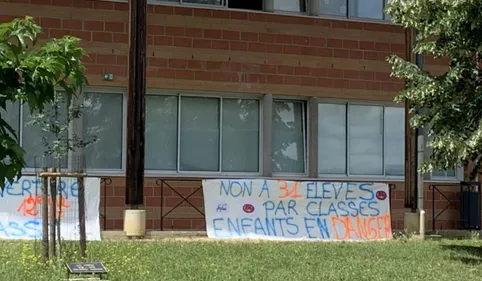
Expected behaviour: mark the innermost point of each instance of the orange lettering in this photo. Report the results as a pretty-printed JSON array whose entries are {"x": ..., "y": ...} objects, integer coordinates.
[
  {"x": 293, "y": 193},
  {"x": 29, "y": 206},
  {"x": 333, "y": 223},
  {"x": 362, "y": 227},
  {"x": 373, "y": 228},
  {"x": 350, "y": 228}
]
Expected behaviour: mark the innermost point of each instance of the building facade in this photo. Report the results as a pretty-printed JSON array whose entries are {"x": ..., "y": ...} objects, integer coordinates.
[{"x": 247, "y": 89}]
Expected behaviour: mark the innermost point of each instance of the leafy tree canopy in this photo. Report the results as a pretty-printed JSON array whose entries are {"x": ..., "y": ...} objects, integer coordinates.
[
  {"x": 448, "y": 105},
  {"x": 30, "y": 74}
]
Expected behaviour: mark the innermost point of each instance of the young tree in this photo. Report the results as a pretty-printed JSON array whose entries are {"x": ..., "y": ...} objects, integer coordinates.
[
  {"x": 30, "y": 74},
  {"x": 448, "y": 105},
  {"x": 55, "y": 121}
]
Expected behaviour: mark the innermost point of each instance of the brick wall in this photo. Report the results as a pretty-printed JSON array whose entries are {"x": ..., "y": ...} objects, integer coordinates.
[
  {"x": 185, "y": 216},
  {"x": 228, "y": 51},
  {"x": 207, "y": 49}
]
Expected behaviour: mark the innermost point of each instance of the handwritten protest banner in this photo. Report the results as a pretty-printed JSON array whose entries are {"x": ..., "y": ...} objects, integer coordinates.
[
  {"x": 288, "y": 210},
  {"x": 20, "y": 209}
]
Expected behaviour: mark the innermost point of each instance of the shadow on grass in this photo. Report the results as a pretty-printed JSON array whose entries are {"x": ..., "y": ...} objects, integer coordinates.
[{"x": 467, "y": 254}]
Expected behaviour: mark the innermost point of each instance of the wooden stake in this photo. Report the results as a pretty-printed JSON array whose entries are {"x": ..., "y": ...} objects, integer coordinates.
[
  {"x": 52, "y": 214},
  {"x": 45, "y": 218}
]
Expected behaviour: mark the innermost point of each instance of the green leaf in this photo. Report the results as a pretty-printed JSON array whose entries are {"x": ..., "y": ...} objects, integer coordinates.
[{"x": 30, "y": 75}]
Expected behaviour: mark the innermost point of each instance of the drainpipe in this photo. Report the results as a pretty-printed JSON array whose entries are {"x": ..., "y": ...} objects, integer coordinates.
[
  {"x": 414, "y": 221},
  {"x": 420, "y": 145}
]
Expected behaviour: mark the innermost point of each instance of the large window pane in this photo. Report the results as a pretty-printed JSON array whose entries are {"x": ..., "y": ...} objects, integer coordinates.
[
  {"x": 439, "y": 173},
  {"x": 387, "y": 16},
  {"x": 240, "y": 150},
  {"x": 365, "y": 140},
  {"x": 287, "y": 5},
  {"x": 199, "y": 134},
  {"x": 394, "y": 141},
  {"x": 12, "y": 116},
  {"x": 333, "y": 7},
  {"x": 372, "y": 9},
  {"x": 332, "y": 139},
  {"x": 205, "y": 2},
  {"x": 37, "y": 140},
  {"x": 161, "y": 132},
  {"x": 444, "y": 174},
  {"x": 288, "y": 137},
  {"x": 103, "y": 120}
]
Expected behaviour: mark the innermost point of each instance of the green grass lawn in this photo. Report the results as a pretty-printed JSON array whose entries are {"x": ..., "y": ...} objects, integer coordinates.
[{"x": 175, "y": 260}]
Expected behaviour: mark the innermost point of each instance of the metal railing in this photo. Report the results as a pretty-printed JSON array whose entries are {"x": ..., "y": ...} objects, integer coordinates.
[
  {"x": 163, "y": 183},
  {"x": 104, "y": 182},
  {"x": 391, "y": 187},
  {"x": 450, "y": 202}
]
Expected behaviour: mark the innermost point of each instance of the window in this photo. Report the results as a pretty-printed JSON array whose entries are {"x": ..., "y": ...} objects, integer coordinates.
[
  {"x": 198, "y": 2},
  {"x": 161, "y": 133},
  {"x": 103, "y": 120},
  {"x": 332, "y": 139},
  {"x": 394, "y": 151},
  {"x": 31, "y": 136},
  {"x": 334, "y": 7},
  {"x": 289, "y": 5},
  {"x": 34, "y": 138},
  {"x": 12, "y": 117},
  {"x": 246, "y": 4},
  {"x": 360, "y": 140},
  {"x": 365, "y": 148},
  {"x": 235, "y": 4},
  {"x": 240, "y": 135},
  {"x": 370, "y": 9},
  {"x": 451, "y": 174},
  {"x": 202, "y": 134},
  {"x": 448, "y": 174},
  {"x": 288, "y": 137}
]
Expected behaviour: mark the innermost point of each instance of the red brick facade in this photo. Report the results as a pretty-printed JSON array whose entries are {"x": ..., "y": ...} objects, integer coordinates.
[{"x": 231, "y": 51}]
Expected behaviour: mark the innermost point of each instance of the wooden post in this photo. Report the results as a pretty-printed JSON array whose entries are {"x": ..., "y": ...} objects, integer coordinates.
[
  {"x": 136, "y": 103},
  {"x": 81, "y": 203},
  {"x": 52, "y": 213},
  {"x": 58, "y": 216},
  {"x": 45, "y": 217}
]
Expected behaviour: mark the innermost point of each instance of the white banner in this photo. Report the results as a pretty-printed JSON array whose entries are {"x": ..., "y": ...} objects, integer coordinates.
[
  {"x": 21, "y": 207},
  {"x": 288, "y": 210}
]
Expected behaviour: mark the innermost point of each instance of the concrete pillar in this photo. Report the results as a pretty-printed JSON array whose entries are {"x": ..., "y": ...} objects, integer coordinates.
[{"x": 267, "y": 135}]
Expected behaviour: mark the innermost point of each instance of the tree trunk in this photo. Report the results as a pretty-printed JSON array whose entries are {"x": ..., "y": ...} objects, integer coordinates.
[{"x": 83, "y": 238}]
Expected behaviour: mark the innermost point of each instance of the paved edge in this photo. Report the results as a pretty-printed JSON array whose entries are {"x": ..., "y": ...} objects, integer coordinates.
[{"x": 119, "y": 235}]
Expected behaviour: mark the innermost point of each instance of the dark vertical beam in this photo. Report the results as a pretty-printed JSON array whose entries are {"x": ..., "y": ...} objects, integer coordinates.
[
  {"x": 136, "y": 103},
  {"x": 410, "y": 136}
]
